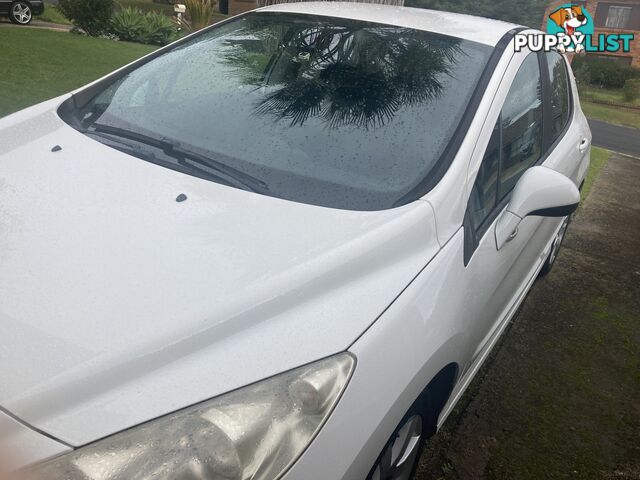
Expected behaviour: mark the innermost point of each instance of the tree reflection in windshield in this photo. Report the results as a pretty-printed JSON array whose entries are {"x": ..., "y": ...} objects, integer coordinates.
[
  {"x": 326, "y": 111},
  {"x": 357, "y": 76}
]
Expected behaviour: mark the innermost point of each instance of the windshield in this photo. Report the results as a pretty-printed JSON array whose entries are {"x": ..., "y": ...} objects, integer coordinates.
[{"x": 326, "y": 111}]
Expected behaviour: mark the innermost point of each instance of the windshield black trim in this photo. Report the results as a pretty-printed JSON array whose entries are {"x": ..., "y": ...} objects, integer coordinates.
[{"x": 451, "y": 150}]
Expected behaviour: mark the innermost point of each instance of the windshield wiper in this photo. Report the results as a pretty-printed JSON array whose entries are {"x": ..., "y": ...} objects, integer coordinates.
[
  {"x": 184, "y": 157},
  {"x": 134, "y": 150}
]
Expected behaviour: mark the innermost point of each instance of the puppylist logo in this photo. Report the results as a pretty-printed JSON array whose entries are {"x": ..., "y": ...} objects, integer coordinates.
[
  {"x": 570, "y": 24},
  {"x": 570, "y": 28}
]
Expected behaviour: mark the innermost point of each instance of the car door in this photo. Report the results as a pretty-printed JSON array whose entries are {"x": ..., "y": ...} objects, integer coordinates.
[
  {"x": 569, "y": 132},
  {"x": 521, "y": 134},
  {"x": 4, "y": 6}
]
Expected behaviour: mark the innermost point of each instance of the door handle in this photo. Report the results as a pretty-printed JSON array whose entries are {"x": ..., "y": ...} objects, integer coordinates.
[{"x": 584, "y": 144}]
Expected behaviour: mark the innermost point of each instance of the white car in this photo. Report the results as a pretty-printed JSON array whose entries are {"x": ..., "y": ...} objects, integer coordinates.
[{"x": 279, "y": 248}]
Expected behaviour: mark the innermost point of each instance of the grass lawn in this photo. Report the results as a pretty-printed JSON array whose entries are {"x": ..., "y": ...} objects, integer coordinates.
[
  {"x": 614, "y": 115},
  {"x": 607, "y": 113},
  {"x": 52, "y": 63},
  {"x": 52, "y": 15},
  {"x": 599, "y": 157},
  {"x": 608, "y": 94}
]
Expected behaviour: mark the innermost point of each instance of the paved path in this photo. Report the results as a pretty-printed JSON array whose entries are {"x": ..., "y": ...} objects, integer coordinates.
[
  {"x": 4, "y": 22},
  {"x": 560, "y": 396},
  {"x": 613, "y": 137}
]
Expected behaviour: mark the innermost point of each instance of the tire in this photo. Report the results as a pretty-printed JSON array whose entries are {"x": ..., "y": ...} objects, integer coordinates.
[
  {"x": 555, "y": 248},
  {"x": 401, "y": 454},
  {"x": 20, "y": 13}
]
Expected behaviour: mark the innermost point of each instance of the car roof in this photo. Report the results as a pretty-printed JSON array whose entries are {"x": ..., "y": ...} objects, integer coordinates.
[{"x": 467, "y": 27}]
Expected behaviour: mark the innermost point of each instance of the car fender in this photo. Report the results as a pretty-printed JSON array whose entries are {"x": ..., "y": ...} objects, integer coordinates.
[{"x": 397, "y": 357}]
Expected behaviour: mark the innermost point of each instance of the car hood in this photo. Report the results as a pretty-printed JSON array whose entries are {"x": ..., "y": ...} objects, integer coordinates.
[{"x": 119, "y": 304}]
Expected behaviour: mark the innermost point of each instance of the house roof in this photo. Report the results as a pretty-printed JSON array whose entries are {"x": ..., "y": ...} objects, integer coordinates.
[{"x": 468, "y": 27}]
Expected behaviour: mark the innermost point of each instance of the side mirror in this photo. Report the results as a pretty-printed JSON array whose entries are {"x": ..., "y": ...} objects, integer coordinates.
[{"x": 540, "y": 191}]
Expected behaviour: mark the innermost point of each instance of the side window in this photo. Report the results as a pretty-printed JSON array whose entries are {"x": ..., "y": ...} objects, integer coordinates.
[
  {"x": 521, "y": 125},
  {"x": 515, "y": 145},
  {"x": 484, "y": 195},
  {"x": 560, "y": 99}
]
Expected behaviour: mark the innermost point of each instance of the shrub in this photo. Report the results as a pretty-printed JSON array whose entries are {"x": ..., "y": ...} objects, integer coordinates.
[
  {"x": 158, "y": 29},
  {"x": 603, "y": 72},
  {"x": 607, "y": 74},
  {"x": 92, "y": 16},
  {"x": 200, "y": 13},
  {"x": 630, "y": 91},
  {"x": 133, "y": 25},
  {"x": 128, "y": 24},
  {"x": 633, "y": 73},
  {"x": 582, "y": 73},
  {"x": 147, "y": 6}
]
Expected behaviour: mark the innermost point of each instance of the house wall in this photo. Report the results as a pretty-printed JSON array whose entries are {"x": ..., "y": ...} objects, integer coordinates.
[{"x": 599, "y": 11}]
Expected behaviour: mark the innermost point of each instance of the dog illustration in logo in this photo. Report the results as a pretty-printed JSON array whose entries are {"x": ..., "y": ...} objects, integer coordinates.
[{"x": 570, "y": 19}]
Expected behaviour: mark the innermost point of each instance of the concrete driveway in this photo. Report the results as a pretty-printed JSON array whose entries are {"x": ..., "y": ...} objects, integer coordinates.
[{"x": 560, "y": 397}]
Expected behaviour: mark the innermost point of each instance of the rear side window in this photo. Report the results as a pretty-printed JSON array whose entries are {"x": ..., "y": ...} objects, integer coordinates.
[
  {"x": 521, "y": 124},
  {"x": 560, "y": 100}
]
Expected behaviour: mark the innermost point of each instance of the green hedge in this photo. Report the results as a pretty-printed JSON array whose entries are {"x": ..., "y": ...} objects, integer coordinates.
[{"x": 602, "y": 72}]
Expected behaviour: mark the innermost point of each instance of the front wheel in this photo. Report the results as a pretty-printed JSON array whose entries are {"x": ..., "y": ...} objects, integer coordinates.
[
  {"x": 20, "y": 13},
  {"x": 400, "y": 456},
  {"x": 555, "y": 247}
]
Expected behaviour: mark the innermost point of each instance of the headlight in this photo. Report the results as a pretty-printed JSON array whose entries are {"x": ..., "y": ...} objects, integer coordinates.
[{"x": 254, "y": 433}]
